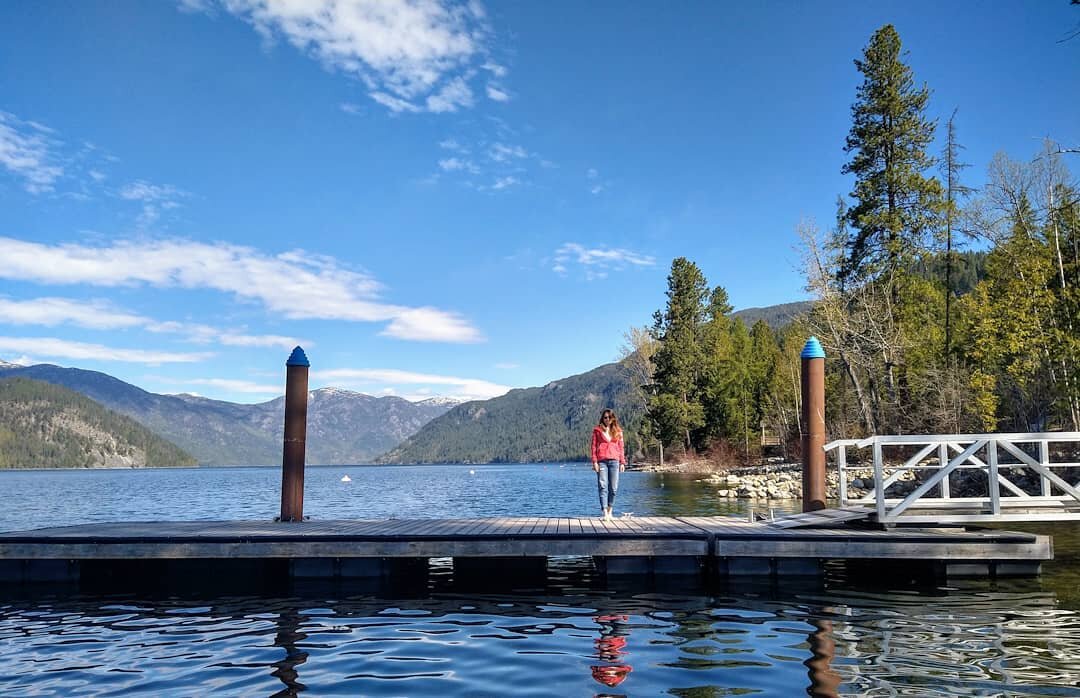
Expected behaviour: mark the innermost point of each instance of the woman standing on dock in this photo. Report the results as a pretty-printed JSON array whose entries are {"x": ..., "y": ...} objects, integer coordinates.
[{"x": 608, "y": 459}]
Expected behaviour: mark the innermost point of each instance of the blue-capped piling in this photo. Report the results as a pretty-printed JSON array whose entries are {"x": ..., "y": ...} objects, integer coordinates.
[
  {"x": 293, "y": 450},
  {"x": 812, "y": 426}
]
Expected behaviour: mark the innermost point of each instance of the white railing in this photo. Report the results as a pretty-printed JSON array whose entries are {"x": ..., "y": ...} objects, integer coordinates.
[{"x": 1005, "y": 458}]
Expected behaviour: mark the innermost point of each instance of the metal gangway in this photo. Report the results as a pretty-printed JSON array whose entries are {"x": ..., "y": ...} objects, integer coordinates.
[{"x": 1004, "y": 477}]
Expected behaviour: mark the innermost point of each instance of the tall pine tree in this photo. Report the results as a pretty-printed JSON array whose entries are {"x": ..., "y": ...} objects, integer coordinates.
[
  {"x": 675, "y": 408},
  {"x": 896, "y": 205}
]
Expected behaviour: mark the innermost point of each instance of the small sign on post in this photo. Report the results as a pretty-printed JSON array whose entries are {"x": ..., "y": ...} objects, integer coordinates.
[
  {"x": 813, "y": 425},
  {"x": 292, "y": 460}
]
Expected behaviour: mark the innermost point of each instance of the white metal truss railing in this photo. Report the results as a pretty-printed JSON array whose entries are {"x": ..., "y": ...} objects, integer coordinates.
[{"x": 1022, "y": 482}]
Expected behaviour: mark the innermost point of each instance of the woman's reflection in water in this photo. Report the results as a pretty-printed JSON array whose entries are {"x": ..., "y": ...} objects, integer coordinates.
[{"x": 610, "y": 649}]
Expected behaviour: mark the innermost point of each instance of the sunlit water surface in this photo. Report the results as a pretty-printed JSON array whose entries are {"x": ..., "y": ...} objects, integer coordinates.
[{"x": 572, "y": 635}]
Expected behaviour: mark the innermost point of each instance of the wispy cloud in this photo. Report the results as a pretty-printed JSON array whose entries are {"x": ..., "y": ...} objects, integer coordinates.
[
  {"x": 49, "y": 312},
  {"x": 350, "y": 108},
  {"x": 504, "y": 183},
  {"x": 28, "y": 151},
  {"x": 413, "y": 56},
  {"x": 451, "y": 386},
  {"x": 598, "y": 261},
  {"x": 63, "y": 349},
  {"x": 496, "y": 94},
  {"x": 293, "y": 284},
  {"x": 205, "y": 334},
  {"x": 231, "y": 385},
  {"x": 457, "y": 164},
  {"x": 155, "y": 198},
  {"x": 101, "y": 315},
  {"x": 501, "y": 152},
  {"x": 454, "y": 95},
  {"x": 595, "y": 185}
]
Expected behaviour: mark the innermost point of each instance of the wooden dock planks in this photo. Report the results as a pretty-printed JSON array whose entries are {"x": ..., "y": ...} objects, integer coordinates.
[{"x": 722, "y": 537}]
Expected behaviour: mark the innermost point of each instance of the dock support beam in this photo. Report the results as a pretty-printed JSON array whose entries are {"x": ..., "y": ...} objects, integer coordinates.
[
  {"x": 292, "y": 459},
  {"x": 813, "y": 425}
]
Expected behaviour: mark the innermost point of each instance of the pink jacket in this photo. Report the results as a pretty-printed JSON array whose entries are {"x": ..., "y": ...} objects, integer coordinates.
[{"x": 602, "y": 449}]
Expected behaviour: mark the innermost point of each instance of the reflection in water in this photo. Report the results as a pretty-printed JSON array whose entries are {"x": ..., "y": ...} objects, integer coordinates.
[
  {"x": 610, "y": 648},
  {"x": 572, "y": 638},
  {"x": 824, "y": 681},
  {"x": 288, "y": 638}
]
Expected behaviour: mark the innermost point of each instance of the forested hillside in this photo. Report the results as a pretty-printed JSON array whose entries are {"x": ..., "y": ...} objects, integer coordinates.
[
  {"x": 46, "y": 426},
  {"x": 552, "y": 423},
  {"x": 942, "y": 308}
]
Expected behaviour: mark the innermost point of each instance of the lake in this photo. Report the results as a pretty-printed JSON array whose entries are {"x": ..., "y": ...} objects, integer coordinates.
[{"x": 571, "y": 636}]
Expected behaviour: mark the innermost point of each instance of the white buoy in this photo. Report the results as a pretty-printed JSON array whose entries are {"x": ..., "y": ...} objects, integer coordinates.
[
  {"x": 472, "y": 472},
  {"x": 346, "y": 478}
]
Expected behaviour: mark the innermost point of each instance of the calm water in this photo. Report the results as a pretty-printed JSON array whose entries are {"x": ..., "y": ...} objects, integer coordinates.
[{"x": 573, "y": 636}]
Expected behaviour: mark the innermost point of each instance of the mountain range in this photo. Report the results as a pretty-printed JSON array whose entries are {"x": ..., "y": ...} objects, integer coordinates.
[
  {"x": 343, "y": 426},
  {"x": 48, "y": 426},
  {"x": 547, "y": 423}
]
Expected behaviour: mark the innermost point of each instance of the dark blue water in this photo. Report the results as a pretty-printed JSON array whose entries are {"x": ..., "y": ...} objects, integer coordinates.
[{"x": 570, "y": 636}]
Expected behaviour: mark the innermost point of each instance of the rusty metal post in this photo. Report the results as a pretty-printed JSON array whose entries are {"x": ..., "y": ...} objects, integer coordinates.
[
  {"x": 813, "y": 425},
  {"x": 292, "y": 459}
]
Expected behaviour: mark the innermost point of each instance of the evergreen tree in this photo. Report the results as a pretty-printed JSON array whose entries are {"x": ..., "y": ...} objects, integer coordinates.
[
  {"x": 896, "y": 206},
  {"x": 676, "y": 409}
]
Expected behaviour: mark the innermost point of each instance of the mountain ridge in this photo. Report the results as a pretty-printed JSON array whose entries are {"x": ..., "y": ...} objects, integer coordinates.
[{"x": 344, "y": 427}]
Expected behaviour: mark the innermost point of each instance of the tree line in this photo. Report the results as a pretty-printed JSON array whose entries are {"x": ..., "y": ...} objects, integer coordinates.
[{"x": 942, "y": 308}]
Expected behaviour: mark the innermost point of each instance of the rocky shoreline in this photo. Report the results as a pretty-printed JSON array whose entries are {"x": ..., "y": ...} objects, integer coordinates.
[{"x": 782, "y": 480}]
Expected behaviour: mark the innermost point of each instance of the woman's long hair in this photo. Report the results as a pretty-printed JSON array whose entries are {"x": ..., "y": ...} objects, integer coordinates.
[{"x": 613, "y": 426}]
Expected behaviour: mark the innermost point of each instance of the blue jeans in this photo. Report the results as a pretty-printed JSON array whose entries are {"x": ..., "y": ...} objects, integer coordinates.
[{"x": 607, "y": 481}]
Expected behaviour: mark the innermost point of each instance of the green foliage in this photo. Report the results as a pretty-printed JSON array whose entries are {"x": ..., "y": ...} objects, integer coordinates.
[
  {"x": 46, "y": 426},
  {"x": 715, "y": 382}
]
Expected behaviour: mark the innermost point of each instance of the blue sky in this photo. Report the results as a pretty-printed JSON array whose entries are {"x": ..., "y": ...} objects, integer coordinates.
[{"x": 438, "y": 198}]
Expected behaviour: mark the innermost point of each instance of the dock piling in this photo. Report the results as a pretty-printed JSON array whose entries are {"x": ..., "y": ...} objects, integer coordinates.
[
  {"x": 813, "y": 425},
  {"x": 295, "y": 441}
]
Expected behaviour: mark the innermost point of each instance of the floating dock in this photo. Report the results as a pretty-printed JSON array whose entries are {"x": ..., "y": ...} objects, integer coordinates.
[{"x": 710, "y": 547}]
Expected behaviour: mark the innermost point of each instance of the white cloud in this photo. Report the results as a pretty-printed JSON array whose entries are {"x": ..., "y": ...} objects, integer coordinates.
[
  {"x": 63, "y": 349},
  {"x": 495, "y": 69},
  {"x": 458, "y": 388},
  {"x": 292, "y": 284},
  {"x": 501, "y": 152},
  {"x": 505, "y": 183},
  {"x": 154, "y": 197},
  {"x": 49, "y": 312},
  {"x": 350, "y": 108},
  {"x": 455, "y": 164},
  {"x": 596, "y": 189},
  {"x": 394, "y": 104},
  {"x": 598, "y": 261},
  {"x": 454, "y": 95},
  {"x": 205, "y": 334},
  {"x": 496, "y": 94},
  {"x": 452, "y": 144},
  {"x": 431, "y": 325},
  {"x": 591, "y": 173},
  {"x": 403, "y": 51},
  {"x": 27, "y": 151},
  {"x": 100, "y": 315}
]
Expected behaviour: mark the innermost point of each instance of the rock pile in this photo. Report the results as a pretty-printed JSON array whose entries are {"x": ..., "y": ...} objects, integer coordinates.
[{"x": 784, "y": 481}]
